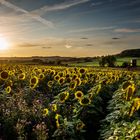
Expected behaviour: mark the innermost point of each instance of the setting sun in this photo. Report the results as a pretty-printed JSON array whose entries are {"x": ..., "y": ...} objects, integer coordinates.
[{"x": 3, "y": 44}]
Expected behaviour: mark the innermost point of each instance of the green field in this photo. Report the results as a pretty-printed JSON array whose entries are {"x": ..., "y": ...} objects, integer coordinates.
[{"x": 96, "y": 62}]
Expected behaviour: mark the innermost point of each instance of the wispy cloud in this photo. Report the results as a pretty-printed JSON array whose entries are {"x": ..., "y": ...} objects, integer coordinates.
[
  {"x": 26, "y": 13},
  {"x": 91, "y": 29},
  {"x": 46, "y": 47},
  {"x": 127, "y": 30},
  {"x": 68, "y": 46},
  {"x": 96, "y": 3},
  {"x": 27, "y": 45},
  {"x": 83, "y": 38},
  {"x": 115, "y": 38},
  {"x": 61, "y": 6}
]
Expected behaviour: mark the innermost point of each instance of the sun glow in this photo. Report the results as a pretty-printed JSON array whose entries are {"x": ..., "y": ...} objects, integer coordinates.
[{"x": 3, "y": 44}]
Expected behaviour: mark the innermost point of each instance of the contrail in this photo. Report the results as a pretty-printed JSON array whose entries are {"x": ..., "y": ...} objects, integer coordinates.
[{"x": 26, "y": 13}]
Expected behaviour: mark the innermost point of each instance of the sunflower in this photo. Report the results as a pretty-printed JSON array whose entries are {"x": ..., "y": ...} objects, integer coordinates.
[
  {"x": 41, "y": 76},
  {"x": 57, "y": 117},
  {"x": 4, "y": 75},
  {"x": 9, "y": 83},
  {"x": 126, "y": 84},
  {"x": 54, "y": 107},
  {"x": 78, "y": 80},
  {"x": 50, "y": 83},
  {"x": 63, "y": 96},
  {"x": 129, "y": 92},
  {"x": 85, "y": 101},
  {"x": 45, "y": 112},
  {"x": 74, "y": 76},
  {"x": 78, "y": 94},
  {"x": 56, "y": 77},
  {"x": 72, "y": 85},
  {"x": 33, "y": 82},
  {"x": 135, "y": 106},
  {"x": 80, "y": 125},
  {"x": 61, "y": 80},
  {"x": 21, "y": 76},
  {"x": 8, "y": 89},
  {"x": 82, "y": 70}
]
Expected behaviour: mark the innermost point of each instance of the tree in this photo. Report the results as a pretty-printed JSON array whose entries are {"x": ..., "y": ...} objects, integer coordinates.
[{"x": 109, "y": 60}]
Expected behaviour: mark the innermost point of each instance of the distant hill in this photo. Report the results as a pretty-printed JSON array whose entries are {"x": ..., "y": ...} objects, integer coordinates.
[{"x": 130, "y": 53}]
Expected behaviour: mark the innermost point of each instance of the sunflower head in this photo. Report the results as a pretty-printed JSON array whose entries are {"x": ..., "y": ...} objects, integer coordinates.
[
  {"x": 45, "y": 112},
  {"x": 4, "y": 75},
  {"x": 78, "y": 94},
  {"x": 63, "y": 96},
  {"x": 56, "y": 77},
  {"x": 72, "y": 85},
  {"x": 50, "y": 83},
  {"x": 126, "y": 84},
  {"x": 80, "y": 125},
  {"x": 33, "y": 82},
  {"x": 54, "y": 107},
  {"x": 41, "y": 76},
  {"x": 78, "y": 80},
  {"x": 8, "y": 89},
  {"x": 21, "y": 76},
  {"x": 61, "y": 80},
  {"x": 82, "y": 70},
  {"x": 85, "y": 101}
]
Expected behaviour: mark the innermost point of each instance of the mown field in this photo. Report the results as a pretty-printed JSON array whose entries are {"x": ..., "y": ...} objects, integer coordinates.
[{"x": 68, "y": 103}]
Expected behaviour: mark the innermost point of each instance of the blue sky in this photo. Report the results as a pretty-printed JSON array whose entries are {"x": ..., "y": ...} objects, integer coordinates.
[{"x": 69, "y": 27}]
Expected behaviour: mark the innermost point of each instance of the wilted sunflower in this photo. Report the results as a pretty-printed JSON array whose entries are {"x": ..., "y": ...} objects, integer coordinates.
[
  {"x": 45, "y": 112},
  {"x": 84, "y": 101},
  {"x": 80, "y": 125},
  {"x": 78, "y": 94},
  {"x": 8, "y": 89},
  {"x": 4, "y": 75},
  {"x": 21, "y": 76}
]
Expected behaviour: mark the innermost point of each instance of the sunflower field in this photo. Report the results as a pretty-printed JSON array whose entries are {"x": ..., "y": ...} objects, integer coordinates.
[{"x": 68, "y": 103}]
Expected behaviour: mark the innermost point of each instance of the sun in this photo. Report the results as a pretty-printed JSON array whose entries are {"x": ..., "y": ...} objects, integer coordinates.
[{"x": 3, "y": 44}]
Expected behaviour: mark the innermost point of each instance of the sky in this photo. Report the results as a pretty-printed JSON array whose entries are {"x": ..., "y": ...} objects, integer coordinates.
[{"x": 75, "y": 28}]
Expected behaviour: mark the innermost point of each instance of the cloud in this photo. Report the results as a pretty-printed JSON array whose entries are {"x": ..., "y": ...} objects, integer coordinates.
[
  {"x": 28, "y": 45},
  {"x": 26, "y": 13},
  {"x": 91, "y": 29},
  {"x": 83, "y": 38},
  {"x": 127, "y": 30},
  {"x": 68, "y": 46},
  {"x": 89, "y": 44},
  {"x": 46, "y": 47},
  {"x": 62, "y": 6},
  {"x": 96, "y": 3},
  {"x": 115, "y": 38}
]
